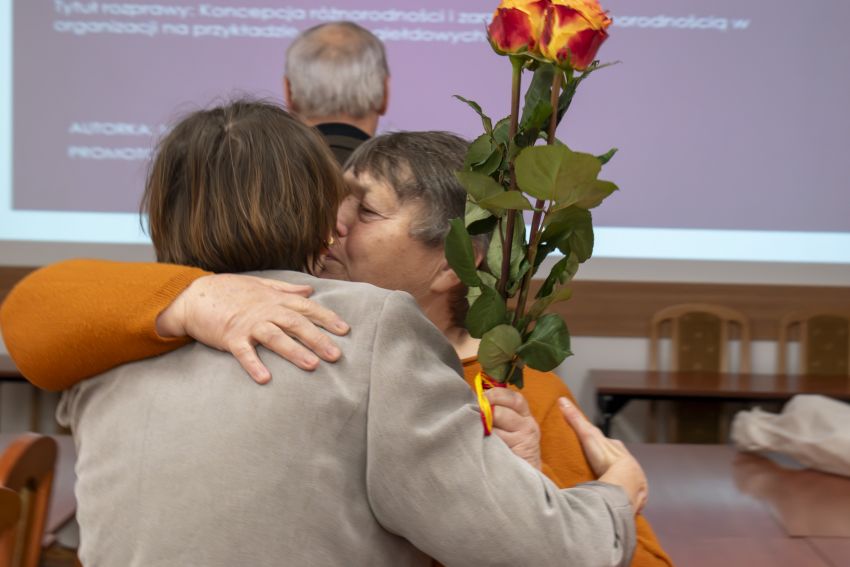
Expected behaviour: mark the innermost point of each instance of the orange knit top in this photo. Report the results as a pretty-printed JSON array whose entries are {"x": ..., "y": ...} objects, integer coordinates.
[{"x": 47, "y": 313}]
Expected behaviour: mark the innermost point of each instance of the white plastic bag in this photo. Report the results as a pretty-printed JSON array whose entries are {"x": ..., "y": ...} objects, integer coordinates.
[{"x": 814, "y": 430}]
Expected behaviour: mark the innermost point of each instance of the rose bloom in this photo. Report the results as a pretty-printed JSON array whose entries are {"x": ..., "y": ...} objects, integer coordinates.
[
  {"x": 573, "y": 31},
  {"x": 517, "y": 25}
]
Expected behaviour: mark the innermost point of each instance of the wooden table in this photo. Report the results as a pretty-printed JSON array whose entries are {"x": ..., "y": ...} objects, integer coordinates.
[
  {"x": 63, "y": 504},
  {"x": 616, "y": 388},
  {"x": 711, "y": 505}
]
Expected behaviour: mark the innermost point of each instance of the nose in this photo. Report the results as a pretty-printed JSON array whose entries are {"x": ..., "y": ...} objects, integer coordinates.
[{"x": 345, "y": 215}]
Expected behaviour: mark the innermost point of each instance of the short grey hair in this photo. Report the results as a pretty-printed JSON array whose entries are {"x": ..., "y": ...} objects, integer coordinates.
[
  {"x": 420, "y": 167},
  {"x": 336, "y": 68}
]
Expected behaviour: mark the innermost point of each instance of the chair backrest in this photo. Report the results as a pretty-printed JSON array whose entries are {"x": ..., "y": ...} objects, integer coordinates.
[
  {"x": 824, "y": 339},
  {"x": 10, "y": 511},
  {"x": 700, "y": 335},
  {"x": 27, "y": 467}
]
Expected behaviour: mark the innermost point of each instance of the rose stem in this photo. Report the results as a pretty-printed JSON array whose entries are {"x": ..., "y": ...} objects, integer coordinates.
[
  {"x": 534, "y": 240},
  {"x": 516, "y": 85}
]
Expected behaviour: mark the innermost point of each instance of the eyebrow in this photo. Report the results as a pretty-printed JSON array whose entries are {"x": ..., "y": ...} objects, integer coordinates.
[{"x": 355, "y": 189}]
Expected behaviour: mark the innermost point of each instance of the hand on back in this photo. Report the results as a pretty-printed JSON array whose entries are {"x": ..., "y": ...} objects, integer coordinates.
[{"x": 235, "y": 313}]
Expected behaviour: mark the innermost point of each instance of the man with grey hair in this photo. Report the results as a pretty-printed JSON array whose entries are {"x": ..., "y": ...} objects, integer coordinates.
[{"x": 337, "y": 80}]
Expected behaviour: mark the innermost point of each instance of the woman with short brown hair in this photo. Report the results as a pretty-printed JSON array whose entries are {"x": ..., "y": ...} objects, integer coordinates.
[{"x": 242, "y": 187}]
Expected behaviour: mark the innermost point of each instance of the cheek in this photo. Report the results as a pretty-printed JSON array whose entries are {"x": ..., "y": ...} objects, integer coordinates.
[{"x": 373, "y": 251}]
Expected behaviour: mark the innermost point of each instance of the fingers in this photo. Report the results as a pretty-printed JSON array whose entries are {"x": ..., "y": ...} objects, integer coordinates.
[
  {"x": 286, "y": 322},
  {"x": 508, "y": 420},
  {"x": 600, "y": 451},
  {"x": 608, "y": 458},
  {"x": 250, "y": 362},
  {"x": 576, "y": 419},
  {"x": 514, "y": 424},
  {"x": 302, "y": 290},
  {"x": 318, "y": 315},
  {"x": 234, "y": 313},
  {"x": 508, "y": 399},
  {"x": 276, "y": 340}
]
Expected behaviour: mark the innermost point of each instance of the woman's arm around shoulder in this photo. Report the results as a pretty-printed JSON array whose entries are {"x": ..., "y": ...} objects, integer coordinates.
[{"x": 77, "y": 318}]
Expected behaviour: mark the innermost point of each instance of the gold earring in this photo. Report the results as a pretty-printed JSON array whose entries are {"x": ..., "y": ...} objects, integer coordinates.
[{"x": 331, "y": 241}]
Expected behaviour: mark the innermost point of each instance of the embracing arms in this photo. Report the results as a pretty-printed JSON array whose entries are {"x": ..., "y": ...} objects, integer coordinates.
[{"x": 77, "y": 318}]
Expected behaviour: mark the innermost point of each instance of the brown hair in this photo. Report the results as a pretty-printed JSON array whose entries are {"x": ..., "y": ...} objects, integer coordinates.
[{"x": 242, "y": 187}]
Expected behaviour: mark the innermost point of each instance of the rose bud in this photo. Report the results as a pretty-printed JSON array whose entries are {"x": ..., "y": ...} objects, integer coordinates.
[
  {"x": 573, "y": 31},
  {"x": 516, "y": 26}
]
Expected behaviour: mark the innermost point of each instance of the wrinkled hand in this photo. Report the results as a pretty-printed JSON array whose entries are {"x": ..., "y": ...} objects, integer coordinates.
[
  {"x": 609, "y": 458},
  {"x": 514, "y": 424},
  {"x": 235, "y": 313}
]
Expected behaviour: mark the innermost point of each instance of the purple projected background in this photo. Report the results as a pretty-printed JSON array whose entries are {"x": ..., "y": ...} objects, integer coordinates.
[{"x": 727, "y": 114}]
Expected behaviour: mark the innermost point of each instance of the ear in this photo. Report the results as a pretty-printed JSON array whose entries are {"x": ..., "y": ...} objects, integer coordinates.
[
  {"x": 446, "y": 278},
  {"x": 386, "y": 102},
  {"x": 287, "y": 95}
]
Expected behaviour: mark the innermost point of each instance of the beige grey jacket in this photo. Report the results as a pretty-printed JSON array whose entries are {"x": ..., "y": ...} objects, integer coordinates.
[{"x": 377, "y": 460}]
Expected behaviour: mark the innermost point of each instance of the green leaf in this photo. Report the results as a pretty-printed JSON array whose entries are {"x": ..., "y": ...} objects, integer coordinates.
[
  {"x": 524, "y": 266},
  {"x": 539, "y": 306},
  {"x": 516, "y": 378},
  {"x": 570, "y": 229},
  {"x": 498, "y": 373},
  {"x": 492, "y": 163},
  {"x": 484, "y": 226},
  {"x": 563, "y": 271},
  {"x": 507, "y": 200},
  {"x": 494, "y": 252},
  {"x": 478, "y": 151},
  {"x": 488, "y": 279},
  {"x": 497, "y": 348},
  {"x": 473, "y": 214},
  {"x": 556, "y": 173},
  {"x": 478, "y": 185},
  {"x": 539, "y": 91},
  {"x": 460, "y": 255},
  {"x": 536, "y": 121},
  {"x": 537, "y": 108},
  {"x": 581, "y": 242},
  {"x": 606, "y": 157},
  {"x": 548, "y": 345},
  {"x": 487, "y": 312},
  {"x": 501, "y": 131},
  {"x": 485, "y": 120},
  {"x": 595, "y": 193}
]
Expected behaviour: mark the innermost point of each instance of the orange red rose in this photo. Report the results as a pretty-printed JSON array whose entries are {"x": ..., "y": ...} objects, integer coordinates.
[{"x": 565, "y": 32}]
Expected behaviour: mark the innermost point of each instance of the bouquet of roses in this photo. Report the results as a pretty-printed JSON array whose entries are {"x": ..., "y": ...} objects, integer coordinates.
[{"x": 506, "y": 174}]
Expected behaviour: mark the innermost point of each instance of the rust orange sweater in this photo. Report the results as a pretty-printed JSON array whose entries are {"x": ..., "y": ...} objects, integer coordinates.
[{"x": 75, "y": 319}]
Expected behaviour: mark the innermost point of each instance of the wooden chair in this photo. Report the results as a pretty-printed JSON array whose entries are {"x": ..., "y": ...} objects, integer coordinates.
[
  {"x": 27, "y": 467},
  {"x": 10, "y": 511},
  {"x": 700, "y": 336},
  {"x": 824, "y": 339}
]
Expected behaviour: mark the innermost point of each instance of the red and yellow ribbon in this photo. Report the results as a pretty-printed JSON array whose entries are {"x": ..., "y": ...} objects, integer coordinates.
[{"x": 483, "y": 382}]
